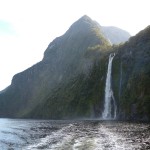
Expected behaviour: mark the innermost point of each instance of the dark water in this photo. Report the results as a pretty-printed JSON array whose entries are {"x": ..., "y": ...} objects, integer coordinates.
[{"x": 73, "y": 135}]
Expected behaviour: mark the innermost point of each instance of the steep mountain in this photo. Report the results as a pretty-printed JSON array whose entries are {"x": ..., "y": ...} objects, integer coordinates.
[
  {"x": 70, "y": 80},
  {"x": 66, "y": 59},
  {"x": 115, "y": 35},
  {"x": 83, "y": 96},
  {"x": 131, "y": 77}
]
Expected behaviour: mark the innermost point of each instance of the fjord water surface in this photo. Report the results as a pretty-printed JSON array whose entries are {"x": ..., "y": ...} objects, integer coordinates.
[{"x": 73, "y": 135}]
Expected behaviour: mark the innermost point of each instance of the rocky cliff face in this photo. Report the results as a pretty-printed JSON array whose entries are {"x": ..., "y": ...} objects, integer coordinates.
[
  {"x": 131, "y": 77},
  {"x": 70, "y": 80},
  {"x": 66, "y": 57}
]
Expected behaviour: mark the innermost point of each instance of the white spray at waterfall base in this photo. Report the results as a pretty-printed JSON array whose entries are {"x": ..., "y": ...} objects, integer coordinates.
[{"x": 110, "y": 108}]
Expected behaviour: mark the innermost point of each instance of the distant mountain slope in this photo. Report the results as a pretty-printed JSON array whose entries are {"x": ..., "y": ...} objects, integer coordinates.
[{"x": 115, "y": 35}]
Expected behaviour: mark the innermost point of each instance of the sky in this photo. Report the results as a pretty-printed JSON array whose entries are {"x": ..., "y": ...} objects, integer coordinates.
[{"x": 28, "y": 26}]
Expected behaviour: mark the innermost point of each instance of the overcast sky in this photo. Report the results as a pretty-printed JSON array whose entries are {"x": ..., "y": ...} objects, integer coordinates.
[{"x": 28, "y": 26}]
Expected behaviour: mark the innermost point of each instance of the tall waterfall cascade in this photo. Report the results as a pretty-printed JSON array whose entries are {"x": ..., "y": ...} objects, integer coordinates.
[{"x": 110, "y": 108}]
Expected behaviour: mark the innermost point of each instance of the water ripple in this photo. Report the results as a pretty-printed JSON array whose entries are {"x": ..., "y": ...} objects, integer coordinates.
[{"x": 73, "y": 135}]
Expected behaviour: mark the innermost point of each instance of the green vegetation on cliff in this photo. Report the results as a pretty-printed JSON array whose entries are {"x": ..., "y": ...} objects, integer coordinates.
[
  {"x": 81, "y": 97},
  {"x": 131, "y": 77},
  {"x": 67, "y": 60}
]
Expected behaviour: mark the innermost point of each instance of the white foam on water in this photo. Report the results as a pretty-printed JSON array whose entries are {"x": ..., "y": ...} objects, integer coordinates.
[
  {"x": 84, "y": 143},
  {"x": 105, "y": 136},
  {"x": 53, "y": 141},
  {"x": 110, "y": 140}
]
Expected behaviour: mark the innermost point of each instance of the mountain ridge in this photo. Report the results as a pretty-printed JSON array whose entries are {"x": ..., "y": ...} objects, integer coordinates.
[{"x": 63, "y": 59}]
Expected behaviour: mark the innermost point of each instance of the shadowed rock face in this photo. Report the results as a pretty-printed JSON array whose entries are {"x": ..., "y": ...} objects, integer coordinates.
[
  {"x": 131, "y": 77},
  {"x": 65, "y": 58}
]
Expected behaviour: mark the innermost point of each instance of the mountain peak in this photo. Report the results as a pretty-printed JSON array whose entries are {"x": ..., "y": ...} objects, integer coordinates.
[
  {"x": 84, "y": 32},
  {"x": 83, "y": 22},
  {"x": 85, "y": 26},
  {"x": 85, "y": 17}
]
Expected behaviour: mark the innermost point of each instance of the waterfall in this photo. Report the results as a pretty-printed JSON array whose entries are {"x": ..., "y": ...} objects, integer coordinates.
[
  {"x": 120, "y": 83},
  {"x": 110, "y": 107}
]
